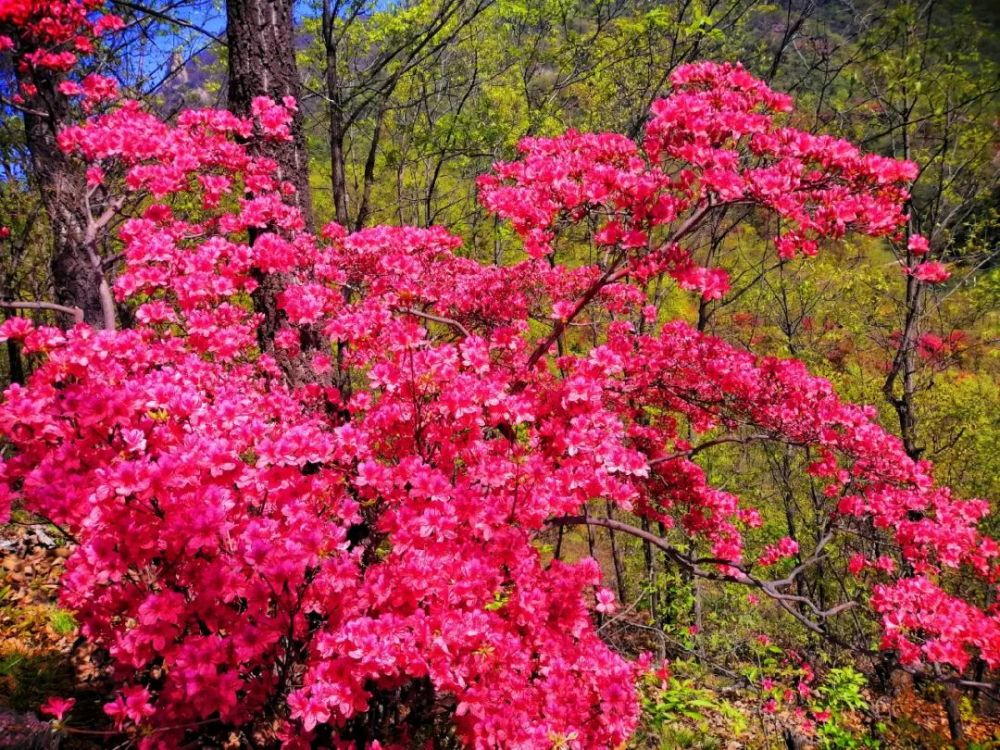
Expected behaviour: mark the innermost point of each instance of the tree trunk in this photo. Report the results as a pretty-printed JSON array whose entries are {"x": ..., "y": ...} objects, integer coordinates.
[
  {"x": 76, "y": 271},
  {"x": 904, "y": 368},
  {"x": 616, "y": 559},
  {"x": 15, "y": 373},
  {"x": 368, "y": 181},
  {"x": 337, "y": 133},
  {"x": 954, "y": 714},
  {"x": 261, "y": 40}
]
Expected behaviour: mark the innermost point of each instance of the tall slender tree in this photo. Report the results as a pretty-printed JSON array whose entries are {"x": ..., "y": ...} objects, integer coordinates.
[{"x": 364, "y": 67}]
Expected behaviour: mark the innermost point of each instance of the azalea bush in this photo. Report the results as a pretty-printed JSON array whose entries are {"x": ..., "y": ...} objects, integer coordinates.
[{"x": 333, "y": 536}]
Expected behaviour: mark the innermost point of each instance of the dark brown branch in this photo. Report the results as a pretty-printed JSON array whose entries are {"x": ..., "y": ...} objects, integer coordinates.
[
  {"x": 710, "y": 444},
  {"x": 22, "y": 108},
  {"x": 771, "y": 588},
  {"x": 438, "y": 319}
]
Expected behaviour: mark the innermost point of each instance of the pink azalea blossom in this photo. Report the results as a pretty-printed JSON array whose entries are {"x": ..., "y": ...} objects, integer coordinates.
[{"x": 58, "y": 707}]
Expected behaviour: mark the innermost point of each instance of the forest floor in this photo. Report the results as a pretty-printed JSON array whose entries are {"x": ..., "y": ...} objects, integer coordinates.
[{"x": 42, "y": 655}]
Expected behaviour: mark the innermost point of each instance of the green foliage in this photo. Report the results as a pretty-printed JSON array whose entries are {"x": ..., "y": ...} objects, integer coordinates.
[
  {"x": 500, "y": 599},
  {"x": 841, "y": 693},
  {"x": 62, "y": 621},
  {"x": 842, "y": 690},
  {"x": 679, "y": 700},
  {"x": 832, "y": 736},
  {"x": 678, "y": 712}
]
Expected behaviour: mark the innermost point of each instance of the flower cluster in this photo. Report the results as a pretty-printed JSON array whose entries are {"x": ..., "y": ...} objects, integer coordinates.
[
  {"x": 49, "y": 37},
  {"x": 717, "y": 141}
]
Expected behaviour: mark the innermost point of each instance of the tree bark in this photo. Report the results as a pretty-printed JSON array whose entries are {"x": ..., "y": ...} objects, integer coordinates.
[
  {"x": 954, "y": 714},
  {"x": 338, "y": 131},
  {"x": 338, "y": 170},
  {"x": 261, "y": 39},
  {"x": 368, "y": 181},
  {"x": 904, "y": 368},
  {"x": 76, "y": 270}
]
